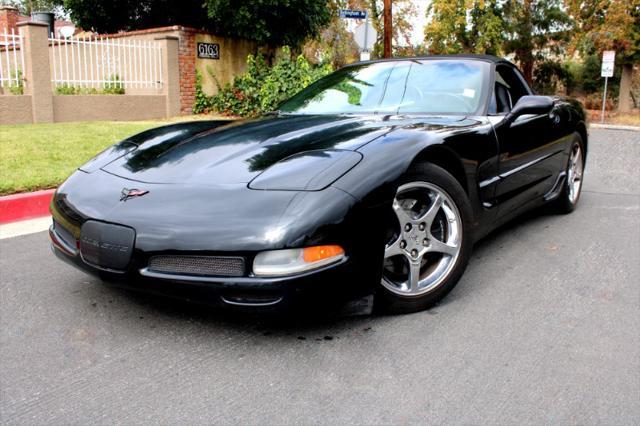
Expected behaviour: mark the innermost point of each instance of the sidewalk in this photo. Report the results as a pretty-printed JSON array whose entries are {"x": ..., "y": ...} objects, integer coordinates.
[{"x": 614, "y": 127}]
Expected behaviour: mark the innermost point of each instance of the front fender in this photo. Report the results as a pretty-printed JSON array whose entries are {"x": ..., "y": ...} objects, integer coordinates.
[{"x": 472, "y": 140}]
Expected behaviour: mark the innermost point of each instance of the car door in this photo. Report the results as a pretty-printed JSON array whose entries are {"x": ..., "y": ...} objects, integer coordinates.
[{"x": 530, "y": 149}]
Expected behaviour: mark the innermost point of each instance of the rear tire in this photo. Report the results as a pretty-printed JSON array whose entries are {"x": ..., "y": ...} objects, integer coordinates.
[
  {"x": 428, "y": 240},
  {"x": 568, "y": 199}
]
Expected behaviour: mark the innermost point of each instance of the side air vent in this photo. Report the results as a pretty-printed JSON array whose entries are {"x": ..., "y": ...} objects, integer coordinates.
[{"x": 221, "y": 266}]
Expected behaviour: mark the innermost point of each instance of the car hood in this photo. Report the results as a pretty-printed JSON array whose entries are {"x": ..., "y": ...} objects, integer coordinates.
[{"x": 239, "y": 151}]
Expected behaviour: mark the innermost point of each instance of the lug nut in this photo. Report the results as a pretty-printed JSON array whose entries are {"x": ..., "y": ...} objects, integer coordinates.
[
  {"x": 422, "y": 226},
  {"x": 414, "y": 253},
  {"x": 425, "y": 242},
  {"x": 403, "y": 244},
  {"x": 407, "y": 227}
]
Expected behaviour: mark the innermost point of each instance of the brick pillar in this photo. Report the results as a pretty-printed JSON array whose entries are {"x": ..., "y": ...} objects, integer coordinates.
[
  {"x": 8, "y": 18},
  {"x": 37, "y": 70},
  {"x": 187, "y": 58},
  {"x": 170, "y": 71}
]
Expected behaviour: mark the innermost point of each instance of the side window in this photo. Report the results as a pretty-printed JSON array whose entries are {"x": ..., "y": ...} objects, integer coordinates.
[{"x": 508, "y": 89}]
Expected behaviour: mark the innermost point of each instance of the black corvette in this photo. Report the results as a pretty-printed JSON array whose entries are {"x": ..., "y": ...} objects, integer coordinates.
[{"x": 377, "y": 179}]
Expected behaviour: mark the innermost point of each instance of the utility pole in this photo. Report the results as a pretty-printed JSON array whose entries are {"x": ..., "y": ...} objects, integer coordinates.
[{"x": 388, "y": 31}]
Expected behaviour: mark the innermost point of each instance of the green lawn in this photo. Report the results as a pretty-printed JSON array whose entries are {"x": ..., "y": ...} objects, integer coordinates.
[{"x": 41, "y": 156}]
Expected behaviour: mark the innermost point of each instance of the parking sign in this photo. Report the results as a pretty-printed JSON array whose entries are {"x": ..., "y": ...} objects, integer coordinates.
[{"x": 608, "y": 63}]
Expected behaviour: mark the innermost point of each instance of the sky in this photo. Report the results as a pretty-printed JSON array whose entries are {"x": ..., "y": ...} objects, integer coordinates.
[{"x": 419, "y": 21}]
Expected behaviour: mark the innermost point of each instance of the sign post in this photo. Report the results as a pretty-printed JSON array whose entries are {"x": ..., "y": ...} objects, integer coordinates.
[
  {"x": 608, "y": 61},
  {"x": 365, "y": 55}
]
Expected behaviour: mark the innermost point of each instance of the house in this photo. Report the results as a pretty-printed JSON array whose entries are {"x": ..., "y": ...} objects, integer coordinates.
[{"x": 10, "y": 17}]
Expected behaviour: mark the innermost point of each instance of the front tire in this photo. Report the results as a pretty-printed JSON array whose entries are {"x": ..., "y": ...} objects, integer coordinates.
[{"x": 427, "y": 244}]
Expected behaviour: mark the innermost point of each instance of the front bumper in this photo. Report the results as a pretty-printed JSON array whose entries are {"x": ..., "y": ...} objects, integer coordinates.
[{"x": 331, "y": 285}]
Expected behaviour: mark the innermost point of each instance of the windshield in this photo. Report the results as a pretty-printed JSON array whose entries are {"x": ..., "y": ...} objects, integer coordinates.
[{"x": 398, "y": 87}]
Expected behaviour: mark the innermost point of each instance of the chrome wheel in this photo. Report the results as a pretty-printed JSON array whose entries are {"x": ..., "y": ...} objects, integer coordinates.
[
  {"x": 574, "y": 174},
  {"x": 424, "y": 248}
]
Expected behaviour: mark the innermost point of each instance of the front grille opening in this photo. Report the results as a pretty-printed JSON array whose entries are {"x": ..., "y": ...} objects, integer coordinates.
[{"x": 220, "y": 266}]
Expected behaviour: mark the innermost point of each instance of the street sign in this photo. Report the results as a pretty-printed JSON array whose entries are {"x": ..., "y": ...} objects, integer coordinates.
[
  {"x": 365, "y": 36},
  {"x": 608, "y": 63},
  {"x": 352, "y": 14}
]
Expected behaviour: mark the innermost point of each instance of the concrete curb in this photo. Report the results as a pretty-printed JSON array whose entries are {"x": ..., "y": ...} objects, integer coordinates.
[
  {"x": 24, "y": 206},
  {"x": 24, "y": 227},
  {"x": 614, "y": 127}
]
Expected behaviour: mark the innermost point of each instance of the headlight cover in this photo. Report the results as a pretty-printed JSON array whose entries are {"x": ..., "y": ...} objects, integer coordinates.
[{"x": 278, "y": 263}]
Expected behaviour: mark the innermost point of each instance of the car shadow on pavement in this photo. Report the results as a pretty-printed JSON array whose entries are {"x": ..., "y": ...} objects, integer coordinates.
[
  {"x": 311, "y": 324},
  {"x": 530, "y": 218},
  {"x": 491, "y": 245}
]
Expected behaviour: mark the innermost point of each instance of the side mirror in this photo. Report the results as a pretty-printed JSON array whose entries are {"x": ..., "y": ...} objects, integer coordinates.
[{"x": 531, "y": 105}]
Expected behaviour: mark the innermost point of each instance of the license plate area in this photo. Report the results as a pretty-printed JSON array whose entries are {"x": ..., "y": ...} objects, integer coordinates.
[{"x": 106, "y": 246}]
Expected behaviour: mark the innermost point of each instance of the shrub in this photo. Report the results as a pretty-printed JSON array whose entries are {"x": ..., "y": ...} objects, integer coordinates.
[
  {"x": 66, "y": 89},
  {"x": 288, "y": 77},
  {"x": 591, "y": 80},
  {"x": 113, "y": 86},
  {"x": 547, "y": 75},
  {"x": 16, "y": 88},
  {"x": 573, "y": 79},
  {"x": 260, "y": 88},
  {"x": 243, "y": 96},
  {"x": 594, "y": 101},
  {"x": 202, "y": 102}
]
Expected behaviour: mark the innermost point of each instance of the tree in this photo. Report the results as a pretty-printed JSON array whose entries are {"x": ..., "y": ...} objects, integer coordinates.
[
  {"x": 335, "y": 44},
  {"x": 532, "y": 30},
  {"x": 273, "y": 22},
  {"x": 269, "y": 22},
  {"x": 535, "y": 29},
  {"x": 464, "y": 26},
  {"x": 125, "y": 15},
  {"x": 609, "y": 25},
  {"x": 25, "y": 7}
]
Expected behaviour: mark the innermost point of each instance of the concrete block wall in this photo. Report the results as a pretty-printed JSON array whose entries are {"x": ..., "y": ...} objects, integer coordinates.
[
  {"x": 232, "y": 62},
  {"x": 179, "y": 62},
  {"x": 38, "y": 104}
]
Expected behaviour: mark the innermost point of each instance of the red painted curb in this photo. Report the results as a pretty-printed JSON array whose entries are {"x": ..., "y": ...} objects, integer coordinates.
[{"x": 25, "y": 206}]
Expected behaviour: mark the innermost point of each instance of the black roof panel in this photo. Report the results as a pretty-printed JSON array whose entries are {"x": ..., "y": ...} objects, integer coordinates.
[{"x": 487, "y": 58}]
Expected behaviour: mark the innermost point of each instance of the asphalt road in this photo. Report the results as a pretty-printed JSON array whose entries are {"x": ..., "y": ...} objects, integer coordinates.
[{"x": 543, "y": 328}]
